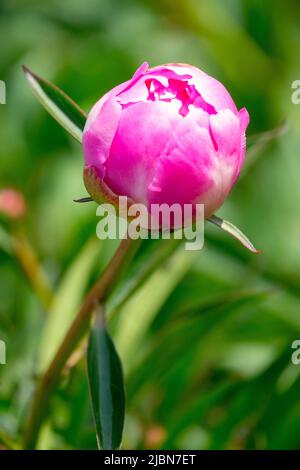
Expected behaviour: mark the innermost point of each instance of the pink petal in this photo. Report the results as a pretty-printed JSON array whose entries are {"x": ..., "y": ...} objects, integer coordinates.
[
  {"x": 226, "y": 132},
  {"x": 114, "y": 92},
  {"x": 141, "y": 70},
  {"x": 211, "y": 90},
  {"x": 98, "y": 136},
  {"x": 225, "y": 129},
  {"x": 137, "y": 145},
  {"x": 184, "y": 172},
  {"x": 244, "y": 119}
]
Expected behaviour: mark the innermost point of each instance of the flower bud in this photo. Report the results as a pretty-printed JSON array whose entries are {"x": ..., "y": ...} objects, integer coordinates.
[
  {"x": 12, "y": 203},
  {"x": 171, "y": 134}
]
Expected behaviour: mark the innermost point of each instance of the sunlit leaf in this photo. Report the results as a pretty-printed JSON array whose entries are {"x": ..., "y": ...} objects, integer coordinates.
[
  {"x": 154, "y": 256},
  {"x": 58, "y": 104},
  {"x": 5, "y": 241},
  {"x": 67, "y": 300},
  {"x": 234, "y": 232},
  {"x": 106, "y": 384},
  {"x": 132, "y": 326}
]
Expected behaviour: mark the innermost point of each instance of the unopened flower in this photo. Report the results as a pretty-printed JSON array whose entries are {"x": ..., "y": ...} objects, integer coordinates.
[
  {"x": 12, "y": 203},
  {"x": 171, "y": 134}
]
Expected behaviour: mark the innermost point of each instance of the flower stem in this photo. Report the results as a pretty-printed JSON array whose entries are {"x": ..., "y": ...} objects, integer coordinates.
[
  {"x": 96, "y": 296},
  {"x": 29, "y": 262}
]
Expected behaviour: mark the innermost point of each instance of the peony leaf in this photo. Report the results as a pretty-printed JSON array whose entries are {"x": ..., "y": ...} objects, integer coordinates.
[
  {"x": 84, "y": 199},
  {"x": 106, "y": 385},
  {"x": 58, "y": 104},
  {"x": 6, "y": 241},
  {"x": 233, "y": 231},
  {"x": 268, "y": 136},
  {"x": 67, "y": 300}
]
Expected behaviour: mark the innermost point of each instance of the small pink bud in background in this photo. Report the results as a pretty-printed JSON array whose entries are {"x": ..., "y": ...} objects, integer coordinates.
[
  {"x": 171, "y": 134},
  {"x": 12, "y": 203}
]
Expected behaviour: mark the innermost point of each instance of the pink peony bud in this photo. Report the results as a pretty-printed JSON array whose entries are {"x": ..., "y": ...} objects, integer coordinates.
[
  {"x": 171, "y": 134},
  {"x": 12, "y": 203}
]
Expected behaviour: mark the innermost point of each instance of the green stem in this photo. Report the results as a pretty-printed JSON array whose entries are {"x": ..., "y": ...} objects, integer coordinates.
[
  {"x": 96, "y": 296},
  {"x": 31, "y": 266},
  {"x": 6, "y": 442}
]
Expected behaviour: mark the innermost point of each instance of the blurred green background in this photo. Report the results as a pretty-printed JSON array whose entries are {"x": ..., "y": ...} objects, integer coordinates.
[{"x": 206, "y": 340}]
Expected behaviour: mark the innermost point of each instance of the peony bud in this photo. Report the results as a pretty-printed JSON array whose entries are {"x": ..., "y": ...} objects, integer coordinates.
[
  {"x": 12, "y": 203},
  {"x": 171, "y": 134}
]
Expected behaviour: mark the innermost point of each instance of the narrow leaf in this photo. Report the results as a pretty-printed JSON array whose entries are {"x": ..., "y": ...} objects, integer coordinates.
[
  {"x": 84, "y": 199},
  {"x": 6, "y": 241},
  {"x": 257, "y": 143},
  {"x": 268, "y": 136},
  {"x": 106, "y": 385},
  {"x": 58, "y": 104},
  {"x": 132, "y": 327},
  {"x": 233, "y": 231},
  {"x": 67, "y": 300}
]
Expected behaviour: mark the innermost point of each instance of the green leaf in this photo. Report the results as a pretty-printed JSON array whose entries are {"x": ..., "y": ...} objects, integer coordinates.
[
  {"x": 257, "y": 143},
  {"x": 58, "y": 104},
  {"x": 6, "y": 241},
  {"x": 267, "y": 136},
  {"x": 233, "y": 231},
  {"x": 67, "y": 300},
  {"x": 155, "y": 255},
  {"x": 106, "y": 385},
  {"x": 132, "y": 326}
]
